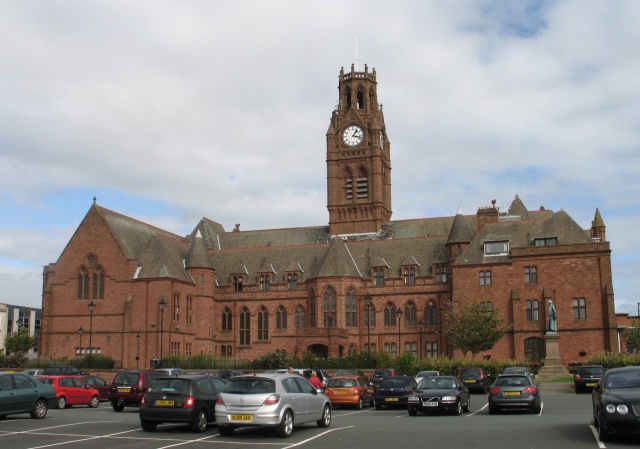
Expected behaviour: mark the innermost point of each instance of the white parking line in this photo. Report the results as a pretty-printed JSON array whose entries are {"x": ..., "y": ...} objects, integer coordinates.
[
  {"x": 318, "y": 436},
  {"x": 478, "y": 411},
  {"x": 85, "y": 439},
  {"x": 595, "y": 434}
]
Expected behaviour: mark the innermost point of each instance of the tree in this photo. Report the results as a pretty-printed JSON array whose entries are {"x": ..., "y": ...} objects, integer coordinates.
[
  {"x": 473, "y": 329},
  {"x": 632, "y": 335},
  {"x": 20, "y": 341}
]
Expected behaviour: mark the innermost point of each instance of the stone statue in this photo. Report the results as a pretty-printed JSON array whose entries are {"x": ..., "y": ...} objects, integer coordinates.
[{"x": 552, "y": 325}]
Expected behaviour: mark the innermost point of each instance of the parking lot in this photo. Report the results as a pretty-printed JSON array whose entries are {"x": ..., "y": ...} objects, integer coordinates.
[{"x": 563, "y": 423}]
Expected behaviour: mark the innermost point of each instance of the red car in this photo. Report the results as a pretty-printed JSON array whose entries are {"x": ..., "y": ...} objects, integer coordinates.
[
  {"x": 98, "y": 383},
  {"x": 72, "y": 391}
]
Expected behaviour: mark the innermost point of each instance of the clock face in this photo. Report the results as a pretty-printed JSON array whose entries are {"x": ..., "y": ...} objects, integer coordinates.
[{"x": 352, "y": 135}]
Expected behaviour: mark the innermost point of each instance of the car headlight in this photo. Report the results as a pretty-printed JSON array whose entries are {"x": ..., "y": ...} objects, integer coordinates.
[
  {"x": 449, "y": 399},
  {"x": 611, "y": 408},
  {"x": 622, "y": 409},
  {"x": 413, "y": 399}
]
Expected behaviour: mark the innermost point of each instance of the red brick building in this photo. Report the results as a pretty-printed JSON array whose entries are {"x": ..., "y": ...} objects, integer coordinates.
[{"x": 242, "y": 294}]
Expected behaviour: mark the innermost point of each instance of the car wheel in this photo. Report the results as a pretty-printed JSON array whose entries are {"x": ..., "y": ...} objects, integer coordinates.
[
  {"x": 493, "y": 410},
  {"x": 3, "y": 417},
  {"x": 467, "y": 407},
  {"x": 285, "y": 428},
  {"x": 373, "y": 401},
  {"x": 537, "y": 408},
  {"x": 378, "y": 406},
  {"x": 94, "y": 402},
  {"x": 117, "y": 407},
  {"x": 359, "y": 406},
  {"x": 603, "y": 434},
  {"x": 200, "y": 423},
  {"x": 458, "y": 410},
  {"x": 226, "y": 431},
  {"x": 62, "y": 402},
  {"x": 39, "y": 409},
  {"x": 413, "y": 412},
  {"x": 326, "y": 417},
  {"x": 148, "y": 426}
]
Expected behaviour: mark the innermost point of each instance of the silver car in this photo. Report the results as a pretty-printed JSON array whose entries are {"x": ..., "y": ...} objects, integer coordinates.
[{"x": 278, "y": 400}]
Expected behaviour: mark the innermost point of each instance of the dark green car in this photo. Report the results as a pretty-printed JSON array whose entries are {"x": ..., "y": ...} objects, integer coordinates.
[{"x": 20, "y": 393}]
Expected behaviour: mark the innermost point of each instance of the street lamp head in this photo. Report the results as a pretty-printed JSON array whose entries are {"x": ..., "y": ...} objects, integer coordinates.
[
  {"x": 420, "y": 324},
  {"x": 367, "y": 300},
  {"x": 398, "y": 313},
  {"x": 92, "y": 306},
  {"x": 81, "y": 330},
  {"x": 162, "y": 303},
  {"x": 138, "y": 337}
]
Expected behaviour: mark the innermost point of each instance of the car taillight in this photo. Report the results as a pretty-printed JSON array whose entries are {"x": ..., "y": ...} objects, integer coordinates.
[
  {"x": 190, "y": 402},
  {"x": 143, "y": 403},
  {"x": 355, "y": 391},
  {"x": 578, "y": 377},
  {"x": 219, "y": 401},
  {"x": 272, "y": 400},
  {"x": 531, "y": 390},
  {"x": 495, "y": 390}
]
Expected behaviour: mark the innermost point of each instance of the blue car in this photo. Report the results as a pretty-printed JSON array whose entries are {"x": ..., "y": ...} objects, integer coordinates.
[{"x": 20, "y": 393}]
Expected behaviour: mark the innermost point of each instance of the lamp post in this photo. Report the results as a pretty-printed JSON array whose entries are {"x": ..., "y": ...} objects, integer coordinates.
[
  {"x": 367, "y": 305},
  {"x": 137, "y": 350},
  {"x": 399, "y": 315},
  {"x": 92, "y": 307},
  {"x": 162, "y": 304},
  {"x": 420, "y": 327},
  {"x": 80, "y": 332}
]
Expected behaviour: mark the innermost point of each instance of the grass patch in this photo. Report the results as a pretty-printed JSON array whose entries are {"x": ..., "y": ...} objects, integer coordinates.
[{"x": 560, "y": 379}]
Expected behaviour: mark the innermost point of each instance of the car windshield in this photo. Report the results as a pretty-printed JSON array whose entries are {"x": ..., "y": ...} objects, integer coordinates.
[
  {"x": 437, "y": 383},
  {"x": 341, "y": 383},
  {"x": 169, "y": 386},
  {"x": 623, "y": 380},
  {"x": 250, "y": 386},
  {"x": 591, "y": 371},
  {"x": 394, "y": 382},
  {"x": 512, "y": 381}
]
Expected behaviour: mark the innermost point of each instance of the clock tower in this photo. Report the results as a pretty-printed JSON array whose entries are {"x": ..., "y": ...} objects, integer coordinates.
[{"x": 358, "y": 161}]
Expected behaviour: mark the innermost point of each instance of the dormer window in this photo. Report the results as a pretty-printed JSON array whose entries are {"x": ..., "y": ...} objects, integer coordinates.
[
  {"x": 236, "y": 281},
  {"x": 265, "y": 282},
  {"x": 409, "y": 275},
  {"x": 441, "y": 274},
  {"x": 548, "y": 241},
  {"x": 378, "y": 276},
  {"x": 292, "y": 281},
  {"x": 496, "y": 248}
]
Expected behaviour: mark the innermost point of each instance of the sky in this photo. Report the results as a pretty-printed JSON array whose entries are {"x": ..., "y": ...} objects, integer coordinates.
[{"x": 170, "y": 111}]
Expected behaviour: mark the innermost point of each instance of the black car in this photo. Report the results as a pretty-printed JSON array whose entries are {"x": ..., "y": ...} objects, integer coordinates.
[
  {"x": 184, "y": 398},
  {"x": 128, "y": 388},
  {"x": 475, "y": 378},
  {"x": 587, "y": 377},
  {"x": 62, "y": 370},
  {"x": 514, "y": 391},
  {"x": 394, "y": 391},
  {"x": 380, "y": 374},
  {"x": 616, "y": 402},
  {"x": 440, "y": 394}
]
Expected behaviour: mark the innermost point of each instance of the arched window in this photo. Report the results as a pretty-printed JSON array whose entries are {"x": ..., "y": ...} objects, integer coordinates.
[
  {"x": 390, "y": 315},
  {"x": 410, "y": 314},
  {"x": 301, "y": 317},
  {"x": 98, "y": 283},
  {"x": 226, "y": 319},
  {"x": 245, "y": 327},
  {"x": 347, "y": 175},
  {"x": 83, "y": 284},
  {"x": 351, "y": 310},
  {"x": 329, "y": 308},
  {"x": 362, "y": 183},
  {"x": 534, "y": 349},
  {"x": 281, "y": 318},
  {"x": 431, "y": 316},
  {"x": 360, "y": 99},
  {"x": 263, "y": 324},
  {"x": 312, "y": 309}
]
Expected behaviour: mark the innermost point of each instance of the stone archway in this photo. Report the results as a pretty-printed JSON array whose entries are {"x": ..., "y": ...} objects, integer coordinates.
[{"x": 319, "y": 350}]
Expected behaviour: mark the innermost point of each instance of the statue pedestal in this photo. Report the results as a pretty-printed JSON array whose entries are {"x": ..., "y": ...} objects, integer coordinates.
[{"x": 553, "y": 366}]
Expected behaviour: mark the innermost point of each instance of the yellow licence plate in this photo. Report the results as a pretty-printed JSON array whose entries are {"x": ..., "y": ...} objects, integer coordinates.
[
  {"x": 511, "y": 393},
  {"x": 469, "y": 381},
  {"x": 591, "y": 384},
  {"x": 343, "y": 391},
  {"x": 242, "y": 418},
  {"x": 124, "y": 390},
  {"x": 163, "y": 403},
  {"x": 391, "y": 399}
]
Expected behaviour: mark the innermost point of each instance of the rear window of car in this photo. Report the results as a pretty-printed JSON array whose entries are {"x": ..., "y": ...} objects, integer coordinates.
[
  {"x": 395, "y": 382},
  {"x": 513, "y": 381},
  {"x": 591, "y": 371},
  {"x": 126, "y": 378},
  {"x": 169, "y": 386},
  {"x": 383, "y": 373},
  {"x": 341, "y": 383},
  {"x": 470, "y": 373},
  {"x": 250, "y": 386}
]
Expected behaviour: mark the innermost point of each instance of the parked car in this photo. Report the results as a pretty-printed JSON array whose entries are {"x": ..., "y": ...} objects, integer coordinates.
[
  {"x": 587, "y": 377},
  {"x": 183, "y": 398},
  {"x": 278, "y": 400},
  {"x": 439, "y": 394},
  {"x": 62, "y": 370},
  {"x": 20, "y": 393},
  {"x": 615, "y": 402},
  {"x": 394, "y": 391},
  {"x": 475, "y": 378},
  {"x": 33, "y": 372},
  {"x": 72, "y": 391},
  {"x": 422, "y": 374},
  {"x": 98, "y": 383},
  {"x": 518, "y": 370},
  {"x": 351, "y": 372},
  {"x": 225, "y": 375},
  {"x": 514, "y": 391},
  {"x": 170, "y": 371},
  {"x": 128, "y": 387},
  {"x": 306, "y": 372},
  {"x": 349, "y": 390},
  {"x": 380, "y": 374}
]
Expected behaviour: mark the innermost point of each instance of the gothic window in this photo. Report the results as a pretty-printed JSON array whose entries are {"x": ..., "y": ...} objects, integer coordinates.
[
  {"x": 237, "y": 281},
  {"x": 98, "y": 283},
  {"x": 431, "y": 316},
  {"x": 362, "y": 184},
  {"x": 348, "y": 180},
  {"x": 263, "y": 324},
  {"x": 329, "y": 308},
  {"x": 245, "y": 327},
  {"x": 441, "y": 274},
  {"x": 360, "y": 99},
  {"x": 351, "y": 310},
  {"x": 301, "y": 317},
  {"x": 83, "y": 284},
  {"x": 176, "y": 307},
  {"x": 265, "y": 280},
  {"x": 312, "y": 310},
  {"x": 281, "y": 318},
  {"x": 410, "y": 314},
  {"x": 348, "y": 95},
  {"x": 390, "y": 315},
  {"x": 370, "y": 317},
  {"x": 189, "y": 308},
  {"x": 292, "y": 281},
  {"x": 532, "y": 310},
  {"x": 226, "y": 320},
  {"x": 530, "y": 275},
  {"x": 579, "y": 309},
  {"x": 378, "y": 276},
  {"x": 431, "y": 350},
  {"x": 485, "y": 278},
  {"x": 352, "y": 349},
  {"x": 409, "y": 275}
]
